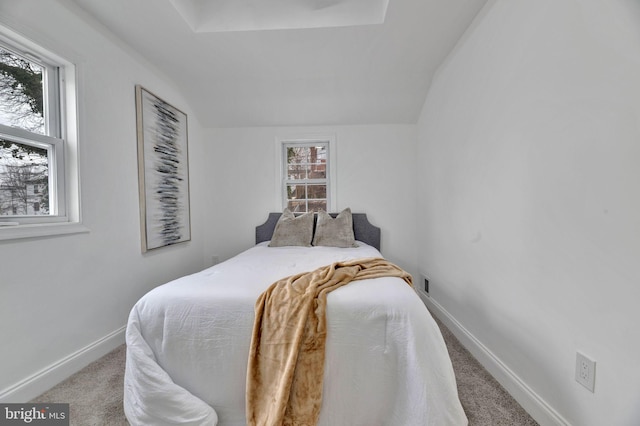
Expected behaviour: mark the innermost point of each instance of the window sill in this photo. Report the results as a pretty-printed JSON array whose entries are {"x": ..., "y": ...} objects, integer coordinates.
[{"x": 41, "y": 230}]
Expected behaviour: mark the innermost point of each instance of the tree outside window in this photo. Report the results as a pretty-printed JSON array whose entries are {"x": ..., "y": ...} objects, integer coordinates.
[{"x": 24, "y": 167}]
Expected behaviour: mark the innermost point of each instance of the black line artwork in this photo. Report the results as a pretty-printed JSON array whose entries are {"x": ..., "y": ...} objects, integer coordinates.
[
  {"x": 162, "y": 151},
  {"x": 166, "y": 167}
]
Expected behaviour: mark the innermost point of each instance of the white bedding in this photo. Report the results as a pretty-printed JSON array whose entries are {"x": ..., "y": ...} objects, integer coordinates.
[{"x": 188, "y": 343}]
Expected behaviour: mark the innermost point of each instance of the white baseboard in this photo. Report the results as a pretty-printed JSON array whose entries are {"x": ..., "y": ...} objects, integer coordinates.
[
  {"x": 55, "y": 373},
  {"x": 533, "y": 404}
]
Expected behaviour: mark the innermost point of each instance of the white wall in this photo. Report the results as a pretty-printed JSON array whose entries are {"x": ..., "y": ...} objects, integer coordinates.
[
  {"x": 529, "y": 142},
  {"x": 375, "y": 175},
  {"x": 59, "y": 295}
]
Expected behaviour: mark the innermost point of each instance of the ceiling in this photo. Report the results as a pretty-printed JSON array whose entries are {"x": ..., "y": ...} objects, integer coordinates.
[
  {"x": 255, "y": 15},
  {"x": 296, "y": 62}
]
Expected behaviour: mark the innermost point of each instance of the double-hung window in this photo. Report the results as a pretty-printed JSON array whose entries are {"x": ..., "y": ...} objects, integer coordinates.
[
  {"x": 307, "y": 166},
  {"x": 34, "y": 122}
]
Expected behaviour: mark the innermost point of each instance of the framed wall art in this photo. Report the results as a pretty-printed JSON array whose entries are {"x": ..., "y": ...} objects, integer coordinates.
[{"x": 163, "y": 172}]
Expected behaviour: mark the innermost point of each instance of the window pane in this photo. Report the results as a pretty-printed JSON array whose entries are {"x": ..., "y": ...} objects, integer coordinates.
[
  {"x": 318, "y": 171},
  {"x": 297, "y": 171},
  {"x": 317, "y": 191},
  {"x": 318, "y": 154},
  {"x": 297, "y": 155},
  {"x": 297, "y": 206},
  {"x": 316, "y": 205},
  {"x": 296, "y": 192},
  {"x": 24, "y": 179},
  {"x": 318, "y": 162},
  {"x": 21, "y": 93}
]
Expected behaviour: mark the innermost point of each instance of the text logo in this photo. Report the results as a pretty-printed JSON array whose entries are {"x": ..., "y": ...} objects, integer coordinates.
[{"x": 34, "y": 414}]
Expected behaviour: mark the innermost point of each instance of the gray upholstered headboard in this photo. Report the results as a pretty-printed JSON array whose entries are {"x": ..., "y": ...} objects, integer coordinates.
[{"x": 363, "y": 230}]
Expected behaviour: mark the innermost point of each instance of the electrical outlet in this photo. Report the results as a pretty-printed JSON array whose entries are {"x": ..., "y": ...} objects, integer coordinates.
[{"x": 585, "y": 371}]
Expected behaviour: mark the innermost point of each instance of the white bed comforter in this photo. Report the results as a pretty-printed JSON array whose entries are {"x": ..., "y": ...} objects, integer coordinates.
[{"x": 188, "y": 345}]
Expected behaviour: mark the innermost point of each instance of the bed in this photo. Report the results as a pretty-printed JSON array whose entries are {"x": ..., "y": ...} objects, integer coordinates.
[{"x": 188, "y": 342}]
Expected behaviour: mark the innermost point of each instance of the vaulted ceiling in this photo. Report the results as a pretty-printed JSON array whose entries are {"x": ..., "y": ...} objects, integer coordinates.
[{"x": 293, "y": 62}]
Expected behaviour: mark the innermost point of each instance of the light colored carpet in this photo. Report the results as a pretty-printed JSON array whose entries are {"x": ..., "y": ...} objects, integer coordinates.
[
  {"x": 94, "y": 393},
  {"x": 483, "y": 399}
]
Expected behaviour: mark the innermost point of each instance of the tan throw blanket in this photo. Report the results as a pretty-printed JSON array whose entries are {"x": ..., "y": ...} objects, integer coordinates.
[{"x": 286, "y": 359}]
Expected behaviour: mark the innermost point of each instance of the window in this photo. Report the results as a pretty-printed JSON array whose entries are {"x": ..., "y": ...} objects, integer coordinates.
[
  {"x": 306, "y": 174},
  {"x": 38, "y": 137}
]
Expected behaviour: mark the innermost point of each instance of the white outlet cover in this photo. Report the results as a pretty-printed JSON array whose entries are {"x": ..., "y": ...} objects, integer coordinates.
[{"x": 585, "y": 371}]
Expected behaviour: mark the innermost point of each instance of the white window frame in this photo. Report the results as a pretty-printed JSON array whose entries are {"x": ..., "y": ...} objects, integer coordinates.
[
  {"x": 61, "y": 141},
  {"x": 282, "y": 142}
]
